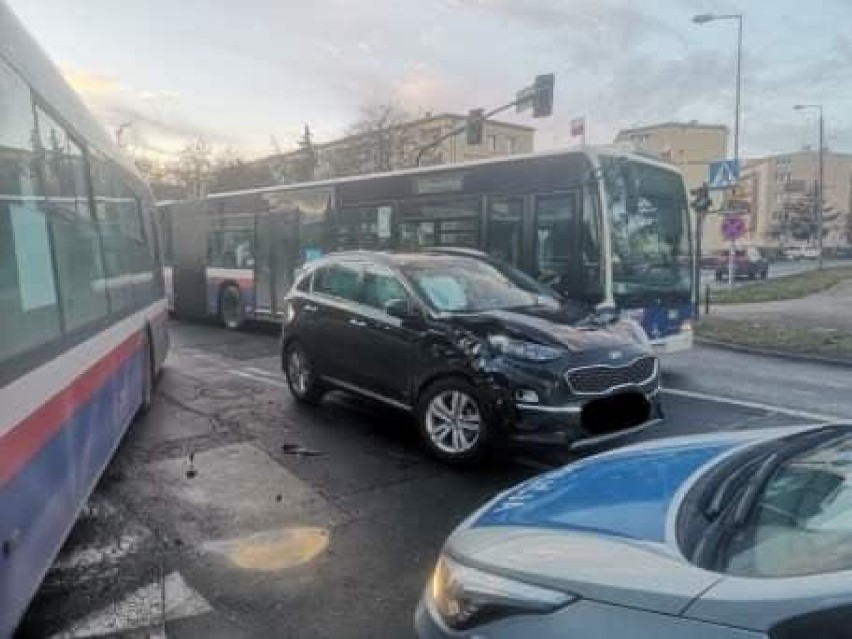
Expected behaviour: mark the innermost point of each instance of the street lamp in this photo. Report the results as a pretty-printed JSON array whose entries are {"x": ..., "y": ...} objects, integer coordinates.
[
  {"x": 704, "y": 18},
  {"x": 819, "y": 194}
]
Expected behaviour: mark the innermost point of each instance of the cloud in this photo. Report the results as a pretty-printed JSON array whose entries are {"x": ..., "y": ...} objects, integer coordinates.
[
  {"x": 87, "y": 83},
  {"x": 152, "y": 127}
]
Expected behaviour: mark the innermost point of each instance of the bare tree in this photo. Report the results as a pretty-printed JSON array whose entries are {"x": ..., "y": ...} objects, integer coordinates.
[
  {"x": 195, "y": 165},
  {"x": 382, "y": 139}
]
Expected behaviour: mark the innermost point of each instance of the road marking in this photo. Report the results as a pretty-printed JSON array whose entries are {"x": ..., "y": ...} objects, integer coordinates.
[
  {"x": 265, "y": 373},
  {"x": 770, "y": 408},
  {"x": 142, "y": 608},
  {"x": 258, "y": 378}
]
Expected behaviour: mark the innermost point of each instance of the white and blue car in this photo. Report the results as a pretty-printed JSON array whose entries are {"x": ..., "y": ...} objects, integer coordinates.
[{"x": 736, "y": 535}]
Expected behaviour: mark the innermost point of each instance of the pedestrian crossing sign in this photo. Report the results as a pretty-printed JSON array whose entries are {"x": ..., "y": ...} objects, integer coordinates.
[{"x": 723, "y": 174}]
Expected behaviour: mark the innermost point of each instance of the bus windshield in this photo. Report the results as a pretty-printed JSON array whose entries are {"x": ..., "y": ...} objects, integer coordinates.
[{"x": 648, "y": 214}]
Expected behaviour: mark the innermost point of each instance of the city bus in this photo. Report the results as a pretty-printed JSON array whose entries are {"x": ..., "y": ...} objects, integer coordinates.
[
  {"x": 597, "y": 224},
  {"x": 82, "y": 310}
]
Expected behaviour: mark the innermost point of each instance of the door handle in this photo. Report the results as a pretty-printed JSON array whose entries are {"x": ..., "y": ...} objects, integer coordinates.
[
  {"x": 310, "y": 308},
  {"x": 357, "y": 322}
]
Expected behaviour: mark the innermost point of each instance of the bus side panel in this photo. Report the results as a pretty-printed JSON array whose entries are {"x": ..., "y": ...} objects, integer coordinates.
[{"x": 51, "y": 461}]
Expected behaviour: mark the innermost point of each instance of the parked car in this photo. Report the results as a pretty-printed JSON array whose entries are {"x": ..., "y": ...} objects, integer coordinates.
[
  {"x": 730, "y": 536},
  {"x": 481, "y": 354},
  {"x": 749, "y": 263}
]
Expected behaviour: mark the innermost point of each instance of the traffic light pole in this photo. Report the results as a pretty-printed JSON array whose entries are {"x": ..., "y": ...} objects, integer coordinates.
[{"x": 461, "y": 129}]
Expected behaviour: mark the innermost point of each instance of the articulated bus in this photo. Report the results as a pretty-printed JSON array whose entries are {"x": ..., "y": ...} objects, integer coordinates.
[
  {"x": 601, "y": 225},
  {"x": 82, "y": 310}
]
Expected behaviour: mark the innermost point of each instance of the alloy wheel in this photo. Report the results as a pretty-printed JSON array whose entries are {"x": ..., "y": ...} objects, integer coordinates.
[{"x": 453, "y": 422}]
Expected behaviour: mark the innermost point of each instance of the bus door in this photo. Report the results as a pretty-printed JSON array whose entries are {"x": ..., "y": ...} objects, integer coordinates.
[
  {"x": 504, "y": 228},
  {"x": 189, "y": 274},
  {"x": 558, "y": 241},
  {"x": 277, "y": 257}
]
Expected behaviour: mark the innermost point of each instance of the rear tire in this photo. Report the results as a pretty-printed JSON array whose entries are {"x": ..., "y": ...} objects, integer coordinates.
[
  {"x": 454, "y": 421},
  {"x": 302, "y": 378},
  {"x": 231, "y": 307}
]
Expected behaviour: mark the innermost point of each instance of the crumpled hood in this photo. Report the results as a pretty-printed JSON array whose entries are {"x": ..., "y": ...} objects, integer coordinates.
[{"x": 563, "y": 328}]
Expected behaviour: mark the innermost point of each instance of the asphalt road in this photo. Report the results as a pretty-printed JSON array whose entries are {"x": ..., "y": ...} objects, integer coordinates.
[{"x": 231, "y": 512}]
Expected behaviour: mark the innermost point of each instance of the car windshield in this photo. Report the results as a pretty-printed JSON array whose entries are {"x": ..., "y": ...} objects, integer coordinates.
[
  {"x": 468, "y": 286},
  {"x": 801, "y": 523},
  {"x": 647, "y": 209}
]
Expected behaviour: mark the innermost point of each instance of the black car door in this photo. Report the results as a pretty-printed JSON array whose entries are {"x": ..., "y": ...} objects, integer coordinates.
[
  {"x": 334, "y": 338},
  {"x": 387, "y": 345}
]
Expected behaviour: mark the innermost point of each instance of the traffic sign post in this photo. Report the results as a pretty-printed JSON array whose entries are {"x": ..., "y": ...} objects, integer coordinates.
[{"x": 733, "y": 228}]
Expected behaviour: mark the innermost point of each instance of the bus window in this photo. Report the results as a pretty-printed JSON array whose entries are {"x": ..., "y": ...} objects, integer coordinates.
[
  {"x": 28, "y": 299},
  {"x": 504, "y": 228},
  {"x": 62, "y": 167},
  {"x": 127, "y": 257},
  {"x": 80, "y": 270},
  {"x": 231, "y": 247},
  {"x": 453, "y": 222},
  {"x": 367, "y": 228},
  {"x": 556, "y": 237}
]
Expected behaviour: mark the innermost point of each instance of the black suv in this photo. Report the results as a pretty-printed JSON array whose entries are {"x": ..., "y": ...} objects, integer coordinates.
[{"x": 480, "y": 353}]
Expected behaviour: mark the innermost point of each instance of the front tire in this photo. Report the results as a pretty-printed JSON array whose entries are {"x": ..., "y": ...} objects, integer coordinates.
[
  {"x": 302, "y": 378},
  {"x": 454, "y": 421},
  {"x": 231, "y": 307}
]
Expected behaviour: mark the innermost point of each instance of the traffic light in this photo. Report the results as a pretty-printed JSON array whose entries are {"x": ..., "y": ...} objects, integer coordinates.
[
  {"x": 475, "y": 122},
  {"x": 702, "y": 201},
  {"x": 543, "y": 99}
]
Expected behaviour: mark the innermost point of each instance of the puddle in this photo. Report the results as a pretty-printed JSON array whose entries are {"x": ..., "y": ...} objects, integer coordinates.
[{"x": 272, "y": 550}]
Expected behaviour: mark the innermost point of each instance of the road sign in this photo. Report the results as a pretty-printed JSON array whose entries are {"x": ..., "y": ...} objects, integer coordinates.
[
  {"x": 733, "y": 228},
  {"x": 723, "y": 174}
]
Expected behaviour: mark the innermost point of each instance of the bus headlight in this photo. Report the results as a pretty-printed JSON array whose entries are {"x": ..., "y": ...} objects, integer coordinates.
[{"x": 465, "y": 597}]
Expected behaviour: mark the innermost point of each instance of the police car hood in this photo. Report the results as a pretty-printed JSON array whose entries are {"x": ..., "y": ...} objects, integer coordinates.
[{"x": 600, "y": 528}]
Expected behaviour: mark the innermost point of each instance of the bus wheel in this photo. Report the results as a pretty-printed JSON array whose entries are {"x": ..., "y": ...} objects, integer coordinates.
[{"x": 231, "y": 306}]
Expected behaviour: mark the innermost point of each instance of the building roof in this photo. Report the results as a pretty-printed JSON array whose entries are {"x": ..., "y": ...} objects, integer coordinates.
[{"x": 672, "y": 125}]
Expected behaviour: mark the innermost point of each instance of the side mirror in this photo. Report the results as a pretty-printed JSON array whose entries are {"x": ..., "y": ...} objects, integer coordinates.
[{"x": 398, "y": 308}]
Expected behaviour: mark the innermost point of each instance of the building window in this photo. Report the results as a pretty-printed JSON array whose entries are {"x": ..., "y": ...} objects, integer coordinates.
[
  {"x": 511, "y": 144},
  {"x": 491, "y": 142}
]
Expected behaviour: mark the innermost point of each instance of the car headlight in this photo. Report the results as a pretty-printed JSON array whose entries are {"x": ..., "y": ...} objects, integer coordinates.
[
  {"x": 520, "y": 349},
  {"x": 465, "y": 597}
]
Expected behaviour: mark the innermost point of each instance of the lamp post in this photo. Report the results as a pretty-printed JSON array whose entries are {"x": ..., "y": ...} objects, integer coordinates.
[
  {"x": 819, "y": 194},
  {"x": 704, "y": 18}
]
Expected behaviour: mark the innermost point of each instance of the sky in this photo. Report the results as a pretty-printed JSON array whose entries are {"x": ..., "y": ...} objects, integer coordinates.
[{"x": 242, "y": 72}]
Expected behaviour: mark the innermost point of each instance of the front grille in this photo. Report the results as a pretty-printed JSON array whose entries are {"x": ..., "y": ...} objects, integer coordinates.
[{"x": 601, "y": 379}]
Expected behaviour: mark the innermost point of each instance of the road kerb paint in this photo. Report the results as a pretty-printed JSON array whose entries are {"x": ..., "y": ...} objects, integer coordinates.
[
  {"x": 257, "y": 378},
  {"x": 769, "y": 408}
]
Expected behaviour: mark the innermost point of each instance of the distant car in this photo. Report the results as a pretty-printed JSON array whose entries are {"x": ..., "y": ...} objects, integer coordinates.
[
  {"x": 749, "y": 263},
  {"x": 481, "y": 354},
  {"x": 801, "y": 253},
  {"x": 736, "y": 535}
]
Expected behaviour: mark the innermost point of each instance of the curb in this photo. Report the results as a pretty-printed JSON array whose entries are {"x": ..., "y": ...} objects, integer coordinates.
[{"x": 766, "y": 352}]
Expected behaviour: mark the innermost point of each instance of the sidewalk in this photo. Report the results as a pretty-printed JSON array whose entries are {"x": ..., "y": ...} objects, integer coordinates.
[
  {"x": 818, "y": 326},
  {"x": 828, "y": 310}
]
